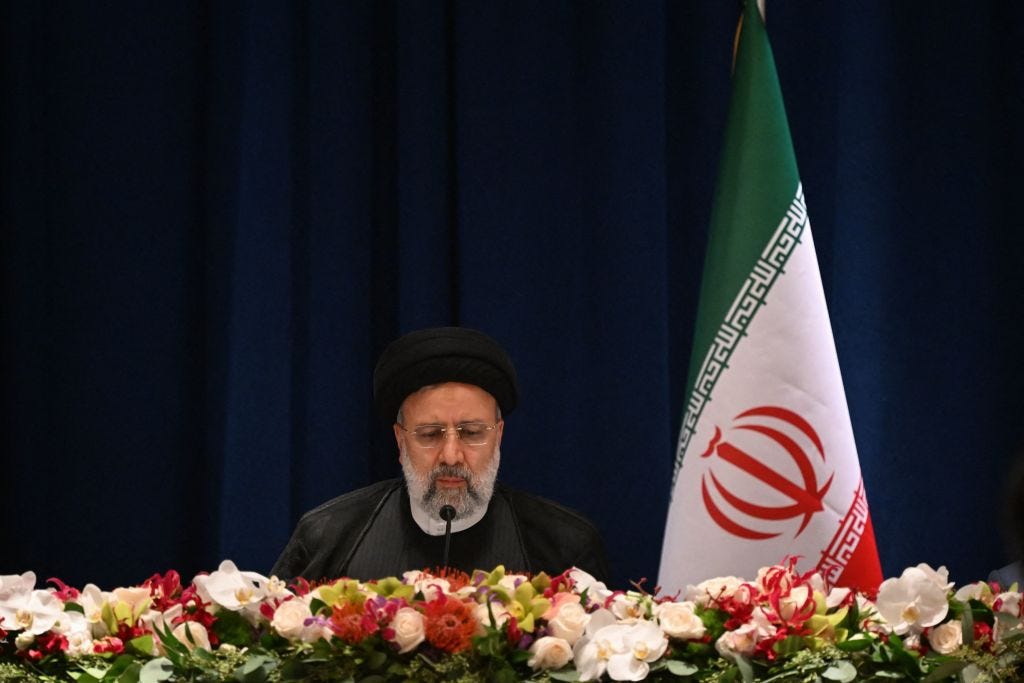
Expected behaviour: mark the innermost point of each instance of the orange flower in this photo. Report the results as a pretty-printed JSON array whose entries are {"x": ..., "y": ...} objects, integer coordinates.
[
  {"x": 449, "y": 624},
  {"x": 347, "y": 623}
]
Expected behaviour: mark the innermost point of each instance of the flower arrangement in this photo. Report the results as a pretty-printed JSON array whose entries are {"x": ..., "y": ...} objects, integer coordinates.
[{"x": 783, "y": 625}]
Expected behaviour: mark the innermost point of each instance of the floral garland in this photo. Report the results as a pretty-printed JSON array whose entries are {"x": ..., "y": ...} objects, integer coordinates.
[{"x": 233, "y": 625}]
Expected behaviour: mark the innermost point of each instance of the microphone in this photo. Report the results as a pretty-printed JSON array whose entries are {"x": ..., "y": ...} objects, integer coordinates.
[{"x": 447, "y": 513}]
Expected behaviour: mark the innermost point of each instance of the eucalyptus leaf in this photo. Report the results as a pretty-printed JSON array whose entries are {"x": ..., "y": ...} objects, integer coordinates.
[
  {"x": 84, "y": 677},
  {"x": 843, "y": 672},
  {"x": 156, "y": 670},
  {"x": 970, "y": 672},
  {"x": 678, "y": 668},
  {"x": 95, "y": 671},
  {"x": 745, "y": 668},
  {"x": 572, "y": 676}
]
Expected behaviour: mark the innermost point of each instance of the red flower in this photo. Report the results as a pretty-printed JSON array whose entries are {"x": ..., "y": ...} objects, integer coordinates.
[
  {"x": 449, "y": 624},
  {"x": 514, "y": 634},
  {"x": 562, "y": 582},
  {"x": 983, "y": 635},
  {"x": 165, "y": 590},
  {"x": 456, "y": 579},
  {"x": 348, "y": 623},
  {"x": 46, "y": 644},
  {"x": 64, "y": 591},
  {"x": 108, "y": 644}
]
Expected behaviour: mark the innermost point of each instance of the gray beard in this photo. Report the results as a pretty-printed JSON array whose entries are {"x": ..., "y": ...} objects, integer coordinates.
[{"x": 476, "y": 495}]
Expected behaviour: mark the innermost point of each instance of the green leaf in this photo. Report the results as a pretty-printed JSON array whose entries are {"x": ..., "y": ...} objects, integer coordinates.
[
  {"x": 944, "y": 671},
  {"x": 843, "y": 671},
  {"x": 855, "y": 645},
  {"x": 231, "y": 627},
  {"x": 678, "y": 668},
  {"x": 130, "y": 674},
  {"x": 967, "y": 621},
  {"x": 571, "y": 675},
  {"x": 156, "y": 671},
  {"x": 142, "y": 644},
  {"x": 293, "y": 670},
  {"x": 376, "y": 659}
]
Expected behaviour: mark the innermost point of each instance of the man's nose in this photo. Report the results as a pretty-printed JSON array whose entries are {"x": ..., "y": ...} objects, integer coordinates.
[{"x": 451, "y": 449}]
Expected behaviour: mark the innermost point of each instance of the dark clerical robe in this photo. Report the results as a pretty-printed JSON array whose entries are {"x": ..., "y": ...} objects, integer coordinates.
[{"x": 370, "y": 533}]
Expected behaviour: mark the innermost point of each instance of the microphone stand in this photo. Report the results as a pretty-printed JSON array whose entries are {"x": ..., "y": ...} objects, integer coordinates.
[{"x": 447, "y": 513}]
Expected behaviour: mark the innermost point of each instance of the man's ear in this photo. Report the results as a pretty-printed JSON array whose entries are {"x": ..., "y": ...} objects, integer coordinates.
[
  {"x": 399, "y": 435},
  {"x": 499, "y": 430}
]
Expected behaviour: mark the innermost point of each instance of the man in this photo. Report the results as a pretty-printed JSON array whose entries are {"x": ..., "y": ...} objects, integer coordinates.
[{"x": 448, "y": 390}]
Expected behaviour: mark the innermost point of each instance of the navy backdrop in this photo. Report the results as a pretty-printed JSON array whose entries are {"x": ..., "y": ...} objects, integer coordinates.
[{"x": 215, "y": 215}]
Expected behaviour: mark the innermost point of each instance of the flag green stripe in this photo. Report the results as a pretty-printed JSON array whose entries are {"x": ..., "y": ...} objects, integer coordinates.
[{"x": 757, "y": 180}]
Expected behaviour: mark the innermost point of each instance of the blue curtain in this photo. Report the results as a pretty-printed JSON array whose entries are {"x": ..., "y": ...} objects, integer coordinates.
[{"x": 215, "y": 216}]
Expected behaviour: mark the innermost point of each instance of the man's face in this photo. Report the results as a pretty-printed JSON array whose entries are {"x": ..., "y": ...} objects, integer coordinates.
[{"x": 453, "y": 473}]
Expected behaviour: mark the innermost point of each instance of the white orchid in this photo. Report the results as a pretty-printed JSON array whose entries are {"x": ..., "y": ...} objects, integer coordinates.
[
  {"x": 16, "y": 583},
  {"x": 630, "y": 606},
  {"x": 623, "y": 651},
  {"x": 91, "y": 599},
  {"x": 584, "y": 582},
  {"x": 22, "y": 608},
  {"x": 431, "y": 587},
  {"x": 940, "y": 576},
  {"x": 233, "y": 590},
  {"x": 912, "y": 602}
]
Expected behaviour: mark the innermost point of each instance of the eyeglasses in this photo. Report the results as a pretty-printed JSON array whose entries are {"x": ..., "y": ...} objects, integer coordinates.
[{"x": 433, "y": 436}]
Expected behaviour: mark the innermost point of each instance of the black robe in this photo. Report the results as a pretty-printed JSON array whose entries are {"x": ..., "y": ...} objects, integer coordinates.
[{"x": 370, "y": 533}]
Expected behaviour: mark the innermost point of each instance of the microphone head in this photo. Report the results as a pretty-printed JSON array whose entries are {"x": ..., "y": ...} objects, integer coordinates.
[{"x": 447, "y": 513}]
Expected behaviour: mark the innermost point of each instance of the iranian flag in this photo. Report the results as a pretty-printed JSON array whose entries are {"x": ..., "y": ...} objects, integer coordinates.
[{"x": 766, "y": 466}]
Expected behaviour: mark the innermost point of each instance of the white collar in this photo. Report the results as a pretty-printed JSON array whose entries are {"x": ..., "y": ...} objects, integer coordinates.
[{"x": 434, "y": 525}]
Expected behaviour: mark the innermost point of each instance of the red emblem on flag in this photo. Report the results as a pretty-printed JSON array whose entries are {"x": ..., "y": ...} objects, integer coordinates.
[{"x": 804, "y": 496}]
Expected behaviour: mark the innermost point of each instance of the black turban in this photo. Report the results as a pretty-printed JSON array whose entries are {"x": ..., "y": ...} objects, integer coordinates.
[{"x": 438, "y": 355}]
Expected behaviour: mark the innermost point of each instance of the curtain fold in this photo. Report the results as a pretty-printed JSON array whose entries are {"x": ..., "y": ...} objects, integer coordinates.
[{"x": 215, "y": 217}]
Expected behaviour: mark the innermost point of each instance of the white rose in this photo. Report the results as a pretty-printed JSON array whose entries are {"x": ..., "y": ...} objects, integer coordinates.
[
  {"x": 741, "y": 641},
  {"x": 947, "y": 637},
  {"x": 199, "y": 637},
  {"x": 679, "y": 620},
  {"x": 290, "y": 619},
  {"x": 569, "y": 623},
  {"x": 549, "y": 652},
  {"x": 408, "y": 628},
  {"x": 705, "y": 592}
]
